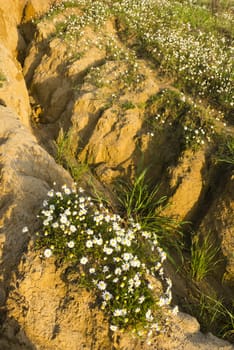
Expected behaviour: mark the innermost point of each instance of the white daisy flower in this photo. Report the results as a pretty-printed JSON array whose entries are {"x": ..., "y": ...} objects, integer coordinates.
[
  {"x": 101, "y": 285},
  {"x": 83, "y": 260},
  {"x": 89, "y": 244},
  {"x": 47, "y": 253},
  {"x": 71, "y": 244},
  {"x": 73, "y": 228}
]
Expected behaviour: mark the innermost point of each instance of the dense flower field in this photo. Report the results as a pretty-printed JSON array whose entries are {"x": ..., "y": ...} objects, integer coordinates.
[{"x": 182, "y": 39}]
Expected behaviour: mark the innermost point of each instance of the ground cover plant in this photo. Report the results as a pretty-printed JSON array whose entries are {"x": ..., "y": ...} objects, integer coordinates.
[
  {"x": 200, "y": 60},
  {"x": 115, "y": 257},
  {"x": 172, "y": 108},
  {"x": 182, "y": 39}
]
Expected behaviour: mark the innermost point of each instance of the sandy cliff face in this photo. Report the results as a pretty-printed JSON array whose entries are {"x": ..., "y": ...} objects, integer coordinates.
[{"x": 81, "y": 91}]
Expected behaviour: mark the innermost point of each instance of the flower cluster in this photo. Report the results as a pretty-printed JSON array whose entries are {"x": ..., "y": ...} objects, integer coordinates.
[
  {"x": 117, "y": 258},
  {"x": 172, "y": 109},
  {"x": 200, "y": 60}
]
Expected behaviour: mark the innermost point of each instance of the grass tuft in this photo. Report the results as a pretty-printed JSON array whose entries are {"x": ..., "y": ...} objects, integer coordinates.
[{"x": 204, "y": 257}]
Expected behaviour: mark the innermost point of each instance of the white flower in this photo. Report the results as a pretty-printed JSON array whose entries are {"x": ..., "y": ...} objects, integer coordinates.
[
  {"x": 92, "y": 270},
  {"x": 126, "y": 241},
  {"x": 125, "y": 266},
  {"x": 66, "y": 190},
  {"x": 63, "y": 219},
  {"x": 50, "y": 193},
  {"x": 71, "y": 244},
  {"x": 83, "y": 260},
  {"x": 175, "y": 310},
  {"x": 47, "y": 253},
  {"x": 149, "y": 316},
  {"x": 135, "y": 263},
  {"x": 107, "y": 296},
  {"x": 137, "y": 283},
  {"x": 45, "y": 203},
  {"x": 118, "y": 271},
  {"x": 81, "y": 199},
  {"x": 67, "y": 212},
  {"x": 55, "y": 225},
  {"x": 113, "y": 242},
  {"x": 101, "y": 285},
  {"x": 113, "y": 328},
  {"x": 108, "y": 250},
  {"x": 98, "y": 241},
  {"x": 150, "y": 286},
  {"x": 120, "y": 312},
  {"x": 89, "y": 244},
  {"x": 141, "y": 299},
  {"x": 163, "y": 301},
  {"x": 127, "y": 256},
  {"x": 73, "y": 228},
  {"x": 146, "y": 234},
  {"x": 25, "y": 229}
]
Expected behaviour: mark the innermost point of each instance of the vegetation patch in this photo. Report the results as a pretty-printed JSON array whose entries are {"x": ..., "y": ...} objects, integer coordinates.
[
  {"x": 117, "y": 258},
  {"x": 170, "y": 108},
  {"x": 214, "y": 315},
  {"x": 204, "y": 257}
]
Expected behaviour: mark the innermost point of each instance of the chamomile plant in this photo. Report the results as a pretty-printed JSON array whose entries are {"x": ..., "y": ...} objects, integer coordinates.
[{"x": 115, "y": 257}]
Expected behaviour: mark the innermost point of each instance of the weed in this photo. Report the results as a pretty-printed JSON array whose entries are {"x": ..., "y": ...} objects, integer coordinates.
[
  {"x": 213, "y": 315},
  {"x": 127, "y": 105},
  {"x": 226, "y": 151},
  {"x": 141, "y": 202},
  {"x": 204, "y": 257},
  {"x": 66, "y": 155}
]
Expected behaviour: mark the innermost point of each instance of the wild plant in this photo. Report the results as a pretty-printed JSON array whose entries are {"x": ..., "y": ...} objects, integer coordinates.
[
  {"x": 204, "y": 256},
  {"x": 141, "y": 202},
  {"x": 226, "y": 151},
  {"x": 173, "y": 109},
  {"x": 115, "y": 257},
  {"x": 66, "y": 154},
  {"x": 213, "y": 315}
]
